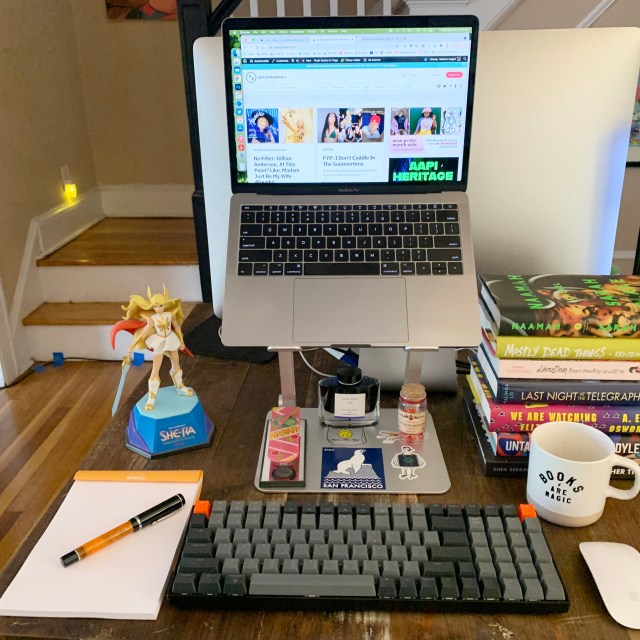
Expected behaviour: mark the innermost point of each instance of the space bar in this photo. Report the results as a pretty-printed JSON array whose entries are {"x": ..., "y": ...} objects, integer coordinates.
[
  {"x": 342, "y": 269},
  {"x": 274, "y": 584}
]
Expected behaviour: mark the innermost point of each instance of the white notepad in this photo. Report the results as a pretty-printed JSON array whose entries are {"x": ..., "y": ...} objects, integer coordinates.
[{"x": 125, "y": 580}]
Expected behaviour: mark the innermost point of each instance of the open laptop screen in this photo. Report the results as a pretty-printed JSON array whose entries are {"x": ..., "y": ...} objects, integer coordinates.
[{"x": 349, "y": 104}]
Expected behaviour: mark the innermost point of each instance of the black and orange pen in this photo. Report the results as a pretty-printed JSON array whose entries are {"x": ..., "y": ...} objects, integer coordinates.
[{"x": 146, "y": 518}]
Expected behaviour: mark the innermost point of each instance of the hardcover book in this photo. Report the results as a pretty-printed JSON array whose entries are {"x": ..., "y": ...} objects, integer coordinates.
[
  {"x": 497, "y": 460},
  {"x": 560, "y": 348},
  {"x": 561, "y": 369},
  {"x": 525, "y": 417},
  {"x": 564, "y": 305},
  {"x": 587, "y": 391}
]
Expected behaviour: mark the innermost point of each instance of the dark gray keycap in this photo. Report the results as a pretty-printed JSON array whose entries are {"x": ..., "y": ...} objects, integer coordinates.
[
  {"x": 508, "y": 510},
  {"x": 531, "y": 525},
  {"x": 400, "y": 520},
  {"x": 521, "y": 555},
  {"x": 199, "y": 535},
  {"x": 436, "y": 569},
  {"x": 312, "y": 585},
  {"x": 381, "y": 517},
  {"x": 243, "y": 550},
  {"x": 493, "y": 523},
  {"x": 456, "y": 554},
  {"x": 235, "y": 520},
  {"x": 308, "y": 520},
  {"x": 466, "y": 570},
  {"x": 498, "y": 538},
  {"x": 491, "y": 510},
  {"x": 219, "y": 506},
  {"x": 290, "y": 521},
  {"x": 428, "y": 589},
  {"x": 197, "y": 521},
  {"x": 516, "y": 539},
  {"x": 470, "y": 589},
  {"x": 539, "y": 549},
  {"x": 475, "y": 523},
  {"x": 235, "y": 585},
  {"x": 271, "y": 520},
  {"x": 198, "y": 550},
  {"x": 454, "y": 510},
  {"x": 210, "y": 584},
  {"x": 501, "y": 554},
  {"x": 506, "y": 570},
  {"x": 512, "y": 524},
  {"x": 486, "y": 570},
  {"x": 418, "y": 553},
  {"x": 448, "y": 588},
  {"x": 217, "y": 520},
  {"x": 185, "y": 583},
  {"x": 550, "y": 580},
  {"x": 254, "y": 506},
  {"x": 408, "y": 588},
  {"x": 455, "y": 539},
  {"x": 363, "y": 519},
  {"x": 411, "y": 538},
  {"x": 199, "y": 565},
  {"x": 446, "y": 523},
  {"x": 479, "y": 538},
  {"x": 490, "y": 589},
  {"x": 387, "y": 587}
]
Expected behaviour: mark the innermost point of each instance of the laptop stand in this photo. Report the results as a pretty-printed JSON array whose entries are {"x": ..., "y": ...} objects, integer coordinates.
[{"x": 355, "y": 459}]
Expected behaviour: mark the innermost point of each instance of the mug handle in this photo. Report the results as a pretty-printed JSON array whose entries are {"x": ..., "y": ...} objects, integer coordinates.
[{"x": 625, "y": 494}]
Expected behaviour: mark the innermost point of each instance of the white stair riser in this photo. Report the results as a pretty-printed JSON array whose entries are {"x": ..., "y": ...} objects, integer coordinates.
[
  {"x": 85, "y": 341},
  {"x": 117, "y": 283}
]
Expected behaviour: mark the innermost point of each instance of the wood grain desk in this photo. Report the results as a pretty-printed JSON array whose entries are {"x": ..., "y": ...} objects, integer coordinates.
[{"x": 237, "y": 396}]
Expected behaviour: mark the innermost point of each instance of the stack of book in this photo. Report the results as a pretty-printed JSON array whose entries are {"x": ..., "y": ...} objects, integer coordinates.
[{"x": 554, "y": 348}]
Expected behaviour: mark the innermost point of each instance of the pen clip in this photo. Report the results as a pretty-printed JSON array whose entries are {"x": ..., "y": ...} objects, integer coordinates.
[{"x": 153, "y": 524}]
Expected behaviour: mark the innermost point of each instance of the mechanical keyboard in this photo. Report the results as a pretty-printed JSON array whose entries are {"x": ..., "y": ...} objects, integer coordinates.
[
  {"x": 359, "y": 239},
  {"x": 264, "y": 555}
]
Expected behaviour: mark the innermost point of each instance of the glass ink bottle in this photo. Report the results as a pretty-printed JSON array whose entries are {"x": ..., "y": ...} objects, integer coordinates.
[
  {"x": 412, "y": 412},
  {"x": 349, "y": 398}
]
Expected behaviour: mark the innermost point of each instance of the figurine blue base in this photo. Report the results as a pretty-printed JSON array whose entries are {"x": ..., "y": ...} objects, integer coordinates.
[{"x": 176, "y": 424}]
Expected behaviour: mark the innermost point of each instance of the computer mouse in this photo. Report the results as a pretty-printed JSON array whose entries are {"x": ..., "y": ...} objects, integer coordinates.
[{"x": 615, "y": 568}]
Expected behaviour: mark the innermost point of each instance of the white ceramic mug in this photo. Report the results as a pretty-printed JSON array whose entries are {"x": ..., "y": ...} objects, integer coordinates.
[{"x": 569, "y": 473}]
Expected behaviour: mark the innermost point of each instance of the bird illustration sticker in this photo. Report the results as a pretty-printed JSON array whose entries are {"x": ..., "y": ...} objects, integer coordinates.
[
  {"x": 408, "y": 461},
  {"x": 352, "y": 469}
]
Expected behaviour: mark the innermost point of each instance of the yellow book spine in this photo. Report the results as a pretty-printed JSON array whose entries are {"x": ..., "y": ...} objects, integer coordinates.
[{"x": 535, "y": 348}]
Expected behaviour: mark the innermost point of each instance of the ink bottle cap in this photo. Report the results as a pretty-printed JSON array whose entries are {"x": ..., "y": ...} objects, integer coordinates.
[{"x": 349, "y": 375}]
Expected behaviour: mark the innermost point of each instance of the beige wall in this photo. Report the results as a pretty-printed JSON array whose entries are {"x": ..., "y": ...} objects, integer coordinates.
[
  {"x": 43, "y": 123},
  {"x": 134, "y": 95},
  {"x": 107, "y": 98}
]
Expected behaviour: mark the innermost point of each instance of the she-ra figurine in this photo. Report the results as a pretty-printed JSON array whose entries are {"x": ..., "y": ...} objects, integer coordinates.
[{"x": 155, "y": 323}]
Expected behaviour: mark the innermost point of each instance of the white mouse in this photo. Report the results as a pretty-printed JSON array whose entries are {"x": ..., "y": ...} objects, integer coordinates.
[{"x": 619, "y": 588}]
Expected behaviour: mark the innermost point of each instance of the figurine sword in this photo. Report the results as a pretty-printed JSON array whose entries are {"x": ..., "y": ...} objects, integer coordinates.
[{"x": 125, "y": 369}]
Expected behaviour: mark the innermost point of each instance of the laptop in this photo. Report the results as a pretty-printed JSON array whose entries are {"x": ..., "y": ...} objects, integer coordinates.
[{"x": 349, "y": 147}]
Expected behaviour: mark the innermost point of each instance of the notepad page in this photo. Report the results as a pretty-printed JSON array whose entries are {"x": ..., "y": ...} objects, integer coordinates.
[{"x": 125, "y": 580}]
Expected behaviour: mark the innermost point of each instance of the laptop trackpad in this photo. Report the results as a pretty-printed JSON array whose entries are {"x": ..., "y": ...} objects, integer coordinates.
[{"x": 350, "y": 311}]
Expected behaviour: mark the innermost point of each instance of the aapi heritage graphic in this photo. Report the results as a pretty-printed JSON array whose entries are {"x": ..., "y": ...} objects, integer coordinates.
[{"x": 352, "y": 469}]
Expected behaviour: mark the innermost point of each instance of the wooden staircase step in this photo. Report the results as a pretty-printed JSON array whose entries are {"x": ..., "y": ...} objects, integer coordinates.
[
  {"x": 82, "y": 313},
  {"x": 130, "y": 241}
]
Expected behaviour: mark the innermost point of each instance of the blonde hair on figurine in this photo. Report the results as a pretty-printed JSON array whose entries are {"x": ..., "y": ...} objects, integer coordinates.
[{"x": 142, "y": 308}]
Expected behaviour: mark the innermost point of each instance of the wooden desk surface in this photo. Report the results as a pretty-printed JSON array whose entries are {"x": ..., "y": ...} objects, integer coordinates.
[{"x": 237, "y": 397}]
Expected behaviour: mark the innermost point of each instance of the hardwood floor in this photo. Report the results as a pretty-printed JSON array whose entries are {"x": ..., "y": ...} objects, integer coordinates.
[{"x": 48, "y": 422}]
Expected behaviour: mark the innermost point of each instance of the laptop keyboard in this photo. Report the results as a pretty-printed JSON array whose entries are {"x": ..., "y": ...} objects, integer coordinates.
[
  {"x": 264, "y": 555},
  {"x": 358, "y": 239}
]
